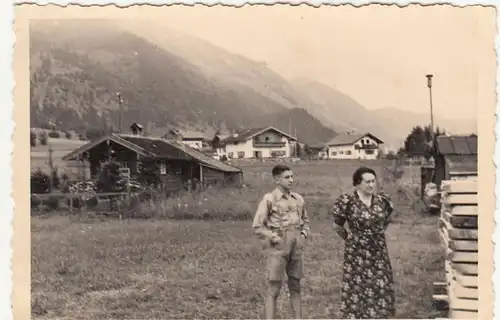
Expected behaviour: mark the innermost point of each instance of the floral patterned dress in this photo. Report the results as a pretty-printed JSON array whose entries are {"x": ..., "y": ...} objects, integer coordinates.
[{"x": 367, "y": 282}]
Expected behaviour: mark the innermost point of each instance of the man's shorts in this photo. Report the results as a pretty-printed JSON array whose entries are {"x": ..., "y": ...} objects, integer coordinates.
[{"x": 286, "y": 256}]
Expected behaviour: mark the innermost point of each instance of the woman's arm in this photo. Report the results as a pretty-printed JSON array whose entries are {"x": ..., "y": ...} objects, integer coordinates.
[
  {"x": 339, "y": 212},
  {"x": 389, "y": 208}
]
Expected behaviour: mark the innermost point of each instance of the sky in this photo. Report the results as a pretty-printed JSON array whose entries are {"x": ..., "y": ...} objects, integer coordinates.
[{"x": 378, "y": 55}]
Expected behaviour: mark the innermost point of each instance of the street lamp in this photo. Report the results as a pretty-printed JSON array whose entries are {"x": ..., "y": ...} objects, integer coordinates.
[
  {"x": 119, "y": 96},
  {"x": 429, "y": 85}
]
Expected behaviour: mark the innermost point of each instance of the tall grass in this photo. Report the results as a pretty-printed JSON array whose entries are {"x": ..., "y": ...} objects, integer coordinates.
[{"x": 319, "y": 185}]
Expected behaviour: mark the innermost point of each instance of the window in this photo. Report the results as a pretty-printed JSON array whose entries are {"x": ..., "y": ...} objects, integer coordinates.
[
  {"x": 348, "y": 152},
  {"x": 241, "y": 154},
  {"x": 123, "y": 164},
  {"x": 341, "y": 152},
  {"x": 230, "y": 155},
  {"x": 278, "y": 153},
  {"x": 333, "y": 153},
  {"x": 369, "y": 151},
  {"x": 267, "y": 139},
  {"x": 163, "y": 167}
]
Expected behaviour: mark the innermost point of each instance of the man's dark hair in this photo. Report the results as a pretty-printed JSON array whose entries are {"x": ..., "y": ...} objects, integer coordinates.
[
  {"x": 279, "y": 169},
  {"x": 357, "y": 177}
]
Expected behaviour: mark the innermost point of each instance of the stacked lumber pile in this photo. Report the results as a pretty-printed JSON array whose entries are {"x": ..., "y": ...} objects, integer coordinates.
[{"x": 458, "y": 227}]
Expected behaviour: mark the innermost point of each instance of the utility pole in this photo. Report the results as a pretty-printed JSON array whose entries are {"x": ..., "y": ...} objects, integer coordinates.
[
  {"x": 429, "y": 85},
  {"x": 51, "y": 168},
  {"x": 119, "y": 96},
  {"x": 296, "y": 141}
]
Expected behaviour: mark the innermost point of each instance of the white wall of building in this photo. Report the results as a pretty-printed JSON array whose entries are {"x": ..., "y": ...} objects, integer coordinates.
[
  {"x": 351, "y": 152},
  {"x": 196, "y": 144},
  {"x": 247, "y": 150}
]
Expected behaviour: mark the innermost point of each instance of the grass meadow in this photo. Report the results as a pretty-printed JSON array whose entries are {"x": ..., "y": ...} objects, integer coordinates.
[{"x": 195, "y": 255}]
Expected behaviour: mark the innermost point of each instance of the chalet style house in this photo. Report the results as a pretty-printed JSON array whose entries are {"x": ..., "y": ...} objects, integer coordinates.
[
  {"x": 353, "y": 146},
  {"x": 255, "y": 143},
  {"x": 178, "y": 162}
]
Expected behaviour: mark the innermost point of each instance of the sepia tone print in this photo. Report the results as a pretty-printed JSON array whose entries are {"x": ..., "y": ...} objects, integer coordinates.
[{"x": 259, "y": 162}]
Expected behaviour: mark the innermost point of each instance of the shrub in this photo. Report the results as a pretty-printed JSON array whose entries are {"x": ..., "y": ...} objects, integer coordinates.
[
  {"x": 52, "y": 203},
  {"x": 67, "y": 135},
  {"x": 109, "y": 178},
  {"x": 35, "y": 202},
  {"x": 43, "y": 138},
  {"x": 54, "y": 134},
  {"x": 40, "y": 182},
  {"x": 32, "y": 139}
]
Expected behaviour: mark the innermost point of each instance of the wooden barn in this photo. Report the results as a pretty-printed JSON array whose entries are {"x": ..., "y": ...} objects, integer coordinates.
[
  {"x": 455, "y": 158},
  {"x": 178, "y": 162}
]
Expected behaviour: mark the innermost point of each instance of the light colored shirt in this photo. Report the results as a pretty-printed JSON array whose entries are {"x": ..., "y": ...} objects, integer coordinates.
[{"x": 278, "y": 210}]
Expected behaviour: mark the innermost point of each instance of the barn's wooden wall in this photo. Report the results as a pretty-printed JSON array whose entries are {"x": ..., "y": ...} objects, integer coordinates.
[{"x": 458, "y": 227}]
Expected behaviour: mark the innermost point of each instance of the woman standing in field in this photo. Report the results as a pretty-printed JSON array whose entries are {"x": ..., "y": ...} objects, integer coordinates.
[{"x": 367, "y": 283}]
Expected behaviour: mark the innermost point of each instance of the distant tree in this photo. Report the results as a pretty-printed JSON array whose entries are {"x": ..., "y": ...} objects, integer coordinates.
[
  {"x": 43, "y": 138},
  {"x": 418, "y": 141},
  {"x": 32, "y": 139},
  {"x": 54, "y": 134},
  {"x": 391, "y": 155},
  {"x": 81, "y": 136},
  {"x": 149, "y": 172},
  {"x": 94, "y": 133}
]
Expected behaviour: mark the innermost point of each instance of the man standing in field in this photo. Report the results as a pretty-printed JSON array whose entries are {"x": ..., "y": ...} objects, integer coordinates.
[{"x": 282, "y": 222}]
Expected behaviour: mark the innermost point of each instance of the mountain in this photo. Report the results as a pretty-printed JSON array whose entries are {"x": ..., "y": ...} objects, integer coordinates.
[
  {"x": 392, "y": 125},
  {"x": 77, "y": 66},
  {"x": 402, "y": 121},
  {"x": 172, "y": 79}
]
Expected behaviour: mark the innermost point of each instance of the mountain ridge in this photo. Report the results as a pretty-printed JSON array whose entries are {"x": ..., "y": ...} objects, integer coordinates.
[{"x": 178, "y": 79}]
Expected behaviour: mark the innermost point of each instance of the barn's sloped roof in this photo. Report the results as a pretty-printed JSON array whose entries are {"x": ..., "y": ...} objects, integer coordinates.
[
  {"x": 158, "y": 147},
  {"x": 456, "y": 145},
  {"x": 167, "y": 148}
]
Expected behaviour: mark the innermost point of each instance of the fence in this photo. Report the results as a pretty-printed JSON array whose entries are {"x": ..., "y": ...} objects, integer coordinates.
[
  {"x": 73, "y": 196},
  {"x": 458, "y": 228}
]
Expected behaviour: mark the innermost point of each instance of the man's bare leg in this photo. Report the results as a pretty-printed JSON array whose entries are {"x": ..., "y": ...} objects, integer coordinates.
[
  {"x": 295, "y": 297},
  {"x": 273, "y": 292}
]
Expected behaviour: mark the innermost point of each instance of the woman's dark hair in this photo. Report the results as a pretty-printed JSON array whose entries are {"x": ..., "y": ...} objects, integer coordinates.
[
  {"x": 357, "y": 177},
  {"x": 279, "y": 169}
]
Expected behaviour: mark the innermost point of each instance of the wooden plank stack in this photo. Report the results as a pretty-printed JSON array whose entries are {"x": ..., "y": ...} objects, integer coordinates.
[{"x": 458, "y": 227}]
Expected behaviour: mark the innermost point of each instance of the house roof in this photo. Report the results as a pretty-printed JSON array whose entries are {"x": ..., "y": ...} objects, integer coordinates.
[
  {"x": 351, "y": 138},
  {"x": 189, "y": 134},
  {"x": 157, "y": 147},
  {"x": 252, "y": 132},
  {"x": 456, "y": 145}
]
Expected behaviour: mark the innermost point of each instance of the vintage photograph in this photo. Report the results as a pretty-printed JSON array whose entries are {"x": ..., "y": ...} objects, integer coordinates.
[{"x": 261, "y": 162}]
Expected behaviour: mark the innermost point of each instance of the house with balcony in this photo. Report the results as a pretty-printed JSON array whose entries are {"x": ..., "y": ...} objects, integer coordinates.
[
  {"x": 255, "y": 143},
  {"x": 353, "y": 146}
]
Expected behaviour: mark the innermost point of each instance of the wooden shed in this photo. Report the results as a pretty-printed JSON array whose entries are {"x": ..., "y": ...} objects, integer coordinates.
[
  {"x": 179, "y": 164},
  {"x": 455, "y": 158}
]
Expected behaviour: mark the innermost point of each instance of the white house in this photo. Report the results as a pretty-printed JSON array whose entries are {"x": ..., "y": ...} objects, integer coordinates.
[
  {"x": 353, "y": 146},
  {"x": 266, "y": 142}
]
